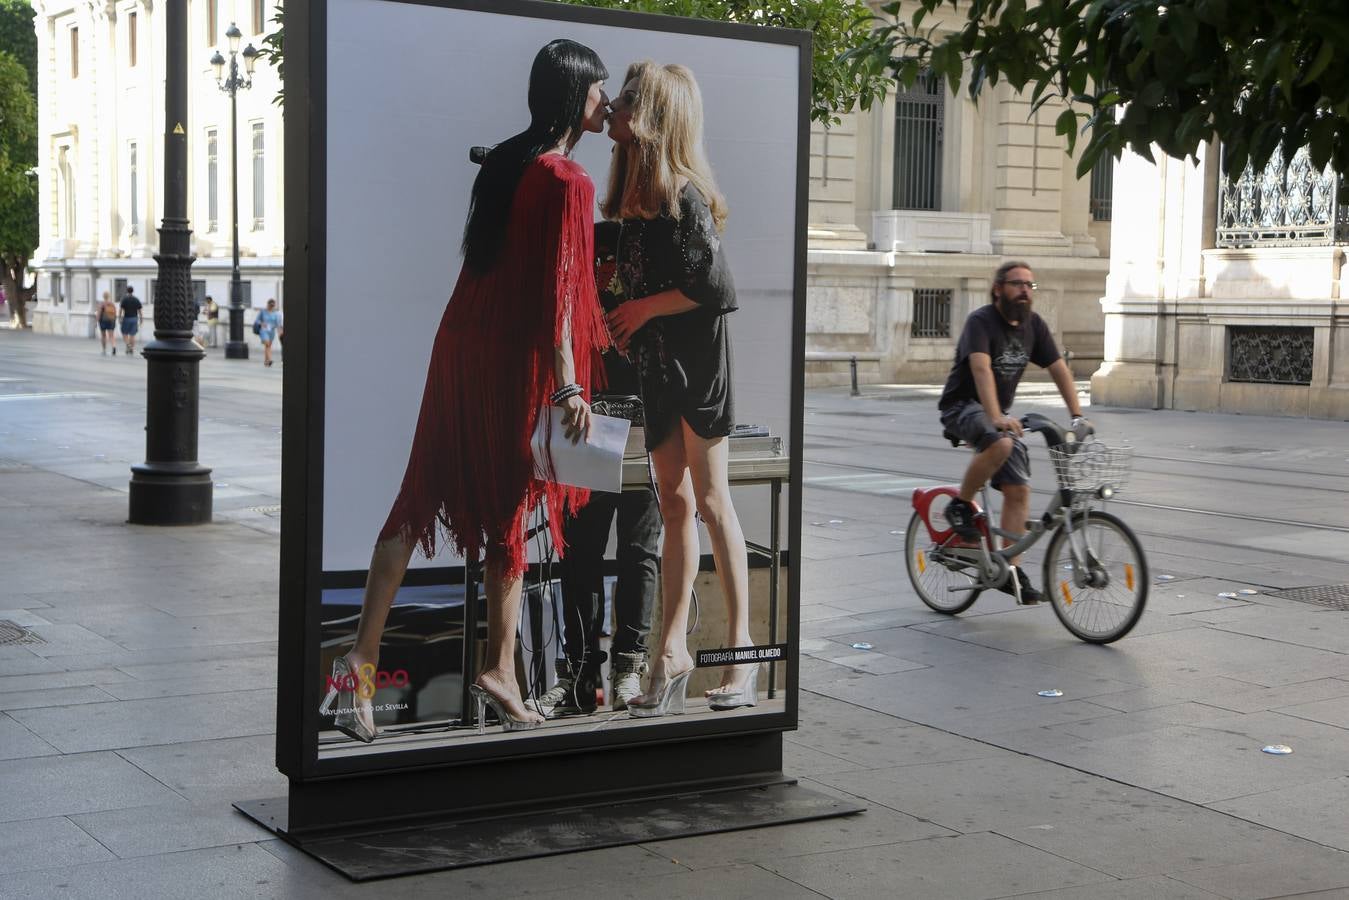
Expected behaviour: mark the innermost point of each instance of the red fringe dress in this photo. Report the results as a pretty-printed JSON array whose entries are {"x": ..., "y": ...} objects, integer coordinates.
[{"x": 470, "y": 474}]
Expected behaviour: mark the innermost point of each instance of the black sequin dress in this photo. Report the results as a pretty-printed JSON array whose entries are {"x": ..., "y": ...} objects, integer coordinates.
[{"x": 684, "y": 360}]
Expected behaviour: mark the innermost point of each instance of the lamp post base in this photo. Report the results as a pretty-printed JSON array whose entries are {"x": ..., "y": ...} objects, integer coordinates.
[
  {"x": 170, "y": 494},
  {"x": 236, "y": 350}
]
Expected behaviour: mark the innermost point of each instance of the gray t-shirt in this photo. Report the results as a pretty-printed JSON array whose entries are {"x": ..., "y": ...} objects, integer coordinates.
[{"x": 1009, "y": 346}]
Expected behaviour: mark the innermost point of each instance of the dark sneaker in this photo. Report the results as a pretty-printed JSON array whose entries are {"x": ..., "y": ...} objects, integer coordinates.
[
  {"x": 960, "y": 516},
  {"x": 1029, "y": 594}
]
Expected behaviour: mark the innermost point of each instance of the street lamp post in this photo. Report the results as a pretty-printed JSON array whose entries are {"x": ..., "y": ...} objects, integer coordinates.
[
  {"x": 171, "y": 487},
  {"x": 235, "y": 347}
]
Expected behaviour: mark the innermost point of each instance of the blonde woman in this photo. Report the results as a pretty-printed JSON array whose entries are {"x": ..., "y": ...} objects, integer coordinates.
[{"x": 672, "y": 270}]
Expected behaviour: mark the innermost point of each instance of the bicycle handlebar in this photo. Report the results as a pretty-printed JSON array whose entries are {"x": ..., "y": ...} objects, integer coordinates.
[{"x": 1056, "y": 435}]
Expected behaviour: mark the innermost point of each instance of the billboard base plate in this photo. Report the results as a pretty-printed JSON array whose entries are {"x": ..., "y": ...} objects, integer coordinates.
[{"x": 431, "y": 846}]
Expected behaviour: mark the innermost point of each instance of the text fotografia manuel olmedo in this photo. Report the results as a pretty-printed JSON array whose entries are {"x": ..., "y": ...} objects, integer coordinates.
[{"x": 734, "y": 655}]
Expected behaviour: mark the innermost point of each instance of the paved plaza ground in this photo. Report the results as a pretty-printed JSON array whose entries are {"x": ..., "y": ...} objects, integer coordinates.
[{"x": 148, "y": 707}]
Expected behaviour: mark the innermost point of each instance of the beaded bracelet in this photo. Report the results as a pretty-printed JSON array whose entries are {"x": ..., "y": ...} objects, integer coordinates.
[{"x": 566, "y": 392}]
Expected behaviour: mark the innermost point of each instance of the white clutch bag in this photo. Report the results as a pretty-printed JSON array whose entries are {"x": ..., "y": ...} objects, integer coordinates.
[{"x": 595, "y": 463}]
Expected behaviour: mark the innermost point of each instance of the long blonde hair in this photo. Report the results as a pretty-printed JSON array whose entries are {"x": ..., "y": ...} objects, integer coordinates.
[{"x": 646, "y": 175}]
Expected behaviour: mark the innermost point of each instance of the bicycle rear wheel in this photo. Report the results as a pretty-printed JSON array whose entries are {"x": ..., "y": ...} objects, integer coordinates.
[
  {"x": 931, "y": 579},
  {"x": 1103, "y": 600}
]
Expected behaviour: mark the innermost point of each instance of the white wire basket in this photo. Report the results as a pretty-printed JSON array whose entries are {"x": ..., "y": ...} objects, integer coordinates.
[{"x": 1088, "y": 467}]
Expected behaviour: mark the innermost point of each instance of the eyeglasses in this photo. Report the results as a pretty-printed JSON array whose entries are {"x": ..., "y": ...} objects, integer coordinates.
[{"x": 1018, "y": 283}]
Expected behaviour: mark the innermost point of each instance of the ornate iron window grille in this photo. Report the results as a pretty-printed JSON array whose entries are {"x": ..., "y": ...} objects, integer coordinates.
[
  {"x": 1269, "y": 354},
  {"x": 932, "y": 312},
  {"x": 1287, "y": 203}
]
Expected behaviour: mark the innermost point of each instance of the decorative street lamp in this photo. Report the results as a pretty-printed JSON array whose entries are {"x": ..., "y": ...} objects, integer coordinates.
[
  {"x": 171, "y": 487},
  {"x": 235, "y": 347}
]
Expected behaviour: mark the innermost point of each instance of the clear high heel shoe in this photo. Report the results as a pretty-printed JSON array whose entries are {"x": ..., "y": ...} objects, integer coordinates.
[
  {"x": 745, "y": 695},
  {"x": 484, "y": 698},
  {"x": 666, "y": 696},
  {"x": 353, "y": 716}
]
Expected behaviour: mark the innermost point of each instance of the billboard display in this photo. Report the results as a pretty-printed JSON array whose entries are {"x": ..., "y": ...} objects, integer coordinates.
[{"x": 636, "y": 187}]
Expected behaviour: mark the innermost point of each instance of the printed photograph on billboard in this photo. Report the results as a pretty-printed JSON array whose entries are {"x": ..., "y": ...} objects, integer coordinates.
[{"x": 560, "y": 295}]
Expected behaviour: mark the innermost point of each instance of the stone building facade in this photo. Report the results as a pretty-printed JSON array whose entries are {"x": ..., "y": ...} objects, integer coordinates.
[
  {"x": 100, "y": 157},
  {"x": 1227, "y": 295}
]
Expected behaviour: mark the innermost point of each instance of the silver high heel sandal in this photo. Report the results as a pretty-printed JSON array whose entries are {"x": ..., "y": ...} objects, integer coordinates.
[
  {"x": 484, "y": 699},
  {"x": 668, "y": 699},
  {"x": 348, "y": 718},
  {"x": 745, "y": 695}
]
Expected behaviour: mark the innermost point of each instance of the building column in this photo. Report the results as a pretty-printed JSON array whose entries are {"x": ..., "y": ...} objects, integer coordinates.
[{"x": 1028, "y": 179}]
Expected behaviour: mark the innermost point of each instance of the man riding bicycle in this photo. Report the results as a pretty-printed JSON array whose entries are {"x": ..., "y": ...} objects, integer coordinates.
[{"x": 995, "y": 345}]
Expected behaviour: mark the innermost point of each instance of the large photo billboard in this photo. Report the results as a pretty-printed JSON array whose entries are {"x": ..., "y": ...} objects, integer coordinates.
[{"x": 532, "y": 216}]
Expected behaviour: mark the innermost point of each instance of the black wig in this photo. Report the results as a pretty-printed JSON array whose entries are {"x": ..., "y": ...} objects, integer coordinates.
[{"x": 559, "y": 83}]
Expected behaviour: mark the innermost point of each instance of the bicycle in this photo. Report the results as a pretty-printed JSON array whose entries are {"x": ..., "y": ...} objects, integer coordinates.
[{"x": 1095, "y": 571}]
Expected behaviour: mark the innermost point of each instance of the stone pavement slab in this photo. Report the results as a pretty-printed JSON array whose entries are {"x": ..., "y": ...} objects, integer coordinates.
[
  {"x": 213, "y": 771},
  {"x": 159, "y": 721},
  {"x": 19, "y": 742},
  {"x": 238, "y": 872},
  {"x": 1305, "y": 870},
  {"x": 49, "y": 844},
  {"x": 938, "y": 868},
  {"x": 1314, "y": 810},
  {"x": 1152, "y": 888},
  {"x": 167, "y": 828},
  {"x": 876, "y": 827},
  {"x": 730, "y": 881},
  {"x": 44, "y": 786}
]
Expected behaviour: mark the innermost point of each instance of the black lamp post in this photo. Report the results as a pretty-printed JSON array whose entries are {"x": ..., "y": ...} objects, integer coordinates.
[
  {"x": 171, "y": 487},
  {"x": 235, "y": 347}
]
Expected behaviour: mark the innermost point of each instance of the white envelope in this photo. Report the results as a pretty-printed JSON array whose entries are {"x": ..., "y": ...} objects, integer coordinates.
[{"x": 595, "y": 463}]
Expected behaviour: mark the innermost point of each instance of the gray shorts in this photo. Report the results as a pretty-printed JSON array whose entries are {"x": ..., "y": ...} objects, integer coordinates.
[{"x": 970, "y": 423}]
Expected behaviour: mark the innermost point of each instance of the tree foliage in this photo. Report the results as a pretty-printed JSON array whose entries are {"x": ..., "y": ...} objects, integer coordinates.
[
  {"x": 18, "y": 37},
  {"x": 18, "y": 187},
  {"x": 273, "y": 52},
  {"x": 1139, "y": 73},
  {"x": 838, "y": 85}
]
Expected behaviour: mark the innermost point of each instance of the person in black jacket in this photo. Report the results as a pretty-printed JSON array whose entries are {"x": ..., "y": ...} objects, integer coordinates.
[{"x": 587, "y": 537}]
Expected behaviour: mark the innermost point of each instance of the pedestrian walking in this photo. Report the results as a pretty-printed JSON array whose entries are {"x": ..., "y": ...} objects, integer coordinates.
[
  {"x": 212, "y": 321},
  {"x": 131, "y": 319},
  {"x": 107, "y": 321},
  {"x": 270, "y": 325}
]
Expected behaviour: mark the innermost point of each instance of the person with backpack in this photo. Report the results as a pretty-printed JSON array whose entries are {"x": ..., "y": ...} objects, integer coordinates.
[{"x": 107, "y": 321}]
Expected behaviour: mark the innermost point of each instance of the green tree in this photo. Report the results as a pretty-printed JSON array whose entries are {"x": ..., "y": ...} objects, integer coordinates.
[
  {"x": 838, "y": 85},
  {"x": 273, "y": 51},
  {"x": 1139, "y": 73},
  {"x": 19, "y": 37},
  {"x": 18, "y": 186}
]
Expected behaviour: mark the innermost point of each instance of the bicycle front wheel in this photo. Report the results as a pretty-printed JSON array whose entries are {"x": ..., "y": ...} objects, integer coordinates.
[
  {"x": 1100, "y": 595},
  {"x": 933, "y": 581}
]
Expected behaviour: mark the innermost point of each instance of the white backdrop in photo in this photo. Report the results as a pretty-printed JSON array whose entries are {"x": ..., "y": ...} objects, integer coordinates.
[{"x": 435, "y": 82}]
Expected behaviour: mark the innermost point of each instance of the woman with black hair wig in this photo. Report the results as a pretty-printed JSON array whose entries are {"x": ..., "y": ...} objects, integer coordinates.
[{"x": 522, "y": 327}]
